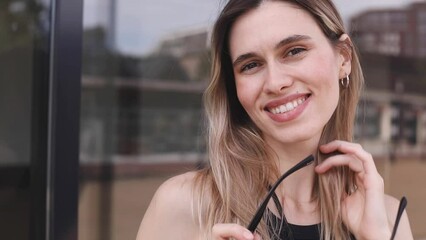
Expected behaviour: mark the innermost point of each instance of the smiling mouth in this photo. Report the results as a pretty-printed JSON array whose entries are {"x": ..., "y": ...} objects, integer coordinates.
[{"x": 289, "y": 106}]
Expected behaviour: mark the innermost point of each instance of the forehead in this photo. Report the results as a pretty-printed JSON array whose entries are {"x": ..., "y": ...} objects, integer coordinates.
[{"x": 269, "y": 23}]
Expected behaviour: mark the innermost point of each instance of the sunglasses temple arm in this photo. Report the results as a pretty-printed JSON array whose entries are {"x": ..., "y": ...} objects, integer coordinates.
[
  {"x": 259, "y": 213},
  {"x": 402, "y": 205}
]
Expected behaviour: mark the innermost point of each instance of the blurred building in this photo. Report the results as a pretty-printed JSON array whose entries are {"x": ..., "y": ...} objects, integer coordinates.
[
  {"x": 191, "y": 48},
  {"x": 183, "y": 43},
  {"x": 151, "y": 104},
  {"x": 395, "y": 32},
  {"x": 392, "y": 43}
]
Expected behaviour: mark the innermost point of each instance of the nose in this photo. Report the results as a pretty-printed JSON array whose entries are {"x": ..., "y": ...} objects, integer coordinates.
[{"x": 277, "y": 79}]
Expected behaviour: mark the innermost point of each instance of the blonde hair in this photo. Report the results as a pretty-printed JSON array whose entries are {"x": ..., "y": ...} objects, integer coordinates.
[{"x": 241, "y": 164}]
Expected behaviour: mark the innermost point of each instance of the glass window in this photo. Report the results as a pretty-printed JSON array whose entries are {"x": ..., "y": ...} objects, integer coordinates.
[
  {"x": 145, "y": 66},
  {"x": 22, "y": 27}
]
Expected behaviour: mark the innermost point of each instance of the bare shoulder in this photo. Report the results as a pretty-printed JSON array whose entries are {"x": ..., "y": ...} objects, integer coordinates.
[
  {"x": 170, "y": 213},
  {"x": 404, "y": 229},
  {"x": 179, "y": 186}
]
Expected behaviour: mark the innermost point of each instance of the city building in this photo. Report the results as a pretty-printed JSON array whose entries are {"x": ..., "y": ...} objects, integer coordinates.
[
  {"x": 191, "y": 48},
  {"x": 392, "y": 43},
  {"x": 393, "y": 32}
]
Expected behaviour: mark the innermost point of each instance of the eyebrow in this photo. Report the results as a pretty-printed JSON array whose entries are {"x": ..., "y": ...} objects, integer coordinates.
[
  {"x": 285, "y": 41},
  {"x": 292, "y": 39}
]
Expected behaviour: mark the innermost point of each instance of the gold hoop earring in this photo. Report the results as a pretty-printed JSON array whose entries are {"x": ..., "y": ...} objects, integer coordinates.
[{"x": 345, "y": 81}]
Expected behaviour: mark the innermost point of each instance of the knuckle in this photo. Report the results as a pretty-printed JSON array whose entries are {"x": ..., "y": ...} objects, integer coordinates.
[{"x": 357, "y": 146}]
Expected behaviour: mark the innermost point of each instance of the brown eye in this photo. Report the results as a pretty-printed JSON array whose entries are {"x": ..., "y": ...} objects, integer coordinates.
[
  {"x": 296, "y": 51},
  {"x": 249, "y": 66}
]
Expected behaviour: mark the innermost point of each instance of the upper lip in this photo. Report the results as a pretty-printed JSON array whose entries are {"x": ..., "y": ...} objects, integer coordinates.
[{"x": 283, "y": 100}]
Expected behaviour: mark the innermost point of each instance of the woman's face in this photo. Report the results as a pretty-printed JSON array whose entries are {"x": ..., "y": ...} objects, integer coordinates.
[{"x": 286, "y": 72}]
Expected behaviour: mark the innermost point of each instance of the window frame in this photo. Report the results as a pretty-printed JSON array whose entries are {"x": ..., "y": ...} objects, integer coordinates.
[{"x": 55, "y": 124}]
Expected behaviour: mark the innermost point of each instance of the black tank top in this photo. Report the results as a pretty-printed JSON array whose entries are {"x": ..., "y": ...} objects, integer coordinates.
[{"x": 280, "y": 229}]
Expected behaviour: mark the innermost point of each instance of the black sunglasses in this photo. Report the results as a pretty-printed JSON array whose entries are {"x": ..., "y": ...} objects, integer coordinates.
[{"x": 305, "y": 162}]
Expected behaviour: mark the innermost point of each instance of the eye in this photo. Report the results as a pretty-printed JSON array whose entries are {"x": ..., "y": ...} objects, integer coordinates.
[
  {"x": 249, "y": 66},
  {"x": 295, "y": 51}
]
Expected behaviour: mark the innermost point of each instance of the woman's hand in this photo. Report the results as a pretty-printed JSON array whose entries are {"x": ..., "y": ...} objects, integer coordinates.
[
  {"x": 225, "y": 231},
  {"x": 363, "y": 211}
]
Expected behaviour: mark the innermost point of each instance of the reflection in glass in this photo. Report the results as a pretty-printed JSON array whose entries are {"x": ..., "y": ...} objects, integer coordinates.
[
  {"x": 22, "y": 27},
  {"x": 141, "y": 115},
  {"x": 145, "y": 66}
]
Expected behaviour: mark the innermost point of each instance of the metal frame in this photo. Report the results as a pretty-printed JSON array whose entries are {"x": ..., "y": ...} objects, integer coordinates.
[
  {"x": 55, "y": 125},
  {"x": 64, "y": 118}
]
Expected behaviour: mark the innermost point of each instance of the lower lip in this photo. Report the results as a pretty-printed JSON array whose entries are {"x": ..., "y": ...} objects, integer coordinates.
[{"x": 291, "y": 115}]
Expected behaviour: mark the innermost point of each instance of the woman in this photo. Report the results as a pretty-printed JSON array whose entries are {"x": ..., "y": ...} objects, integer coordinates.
[{"x": 285, "y": 84}]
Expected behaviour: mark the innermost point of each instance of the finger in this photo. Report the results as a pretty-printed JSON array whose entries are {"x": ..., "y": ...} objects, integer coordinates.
[
  {"x": 257, "y": 237},
  {"x": 351, "y": 149},
  {"x": 225, "y": 231},
  {"x": 370, "y": 177},
  {"x": 340, "y": 160}
]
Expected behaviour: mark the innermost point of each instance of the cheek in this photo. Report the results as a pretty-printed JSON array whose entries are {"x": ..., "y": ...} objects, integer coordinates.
[
  {"x": 327, "y": 73},
  {"x": 243, "y": 97},
  {"x": 246, "y": 93}
]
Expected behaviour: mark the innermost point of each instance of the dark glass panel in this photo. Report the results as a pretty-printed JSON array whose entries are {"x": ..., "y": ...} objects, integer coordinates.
[{"x": 24, "y": 28}]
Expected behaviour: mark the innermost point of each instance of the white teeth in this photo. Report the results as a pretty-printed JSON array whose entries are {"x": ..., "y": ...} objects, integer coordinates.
[{"x": 287, "y": 106}]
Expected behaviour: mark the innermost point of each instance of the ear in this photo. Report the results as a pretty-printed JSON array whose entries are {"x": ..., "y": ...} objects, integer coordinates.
[{"x": 345, "y": 49}]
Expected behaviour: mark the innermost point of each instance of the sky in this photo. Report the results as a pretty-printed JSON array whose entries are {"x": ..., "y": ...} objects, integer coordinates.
[{"x": 141, "y": 24}]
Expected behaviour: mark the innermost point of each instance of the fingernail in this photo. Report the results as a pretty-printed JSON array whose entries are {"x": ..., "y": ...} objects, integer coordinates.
[{"x": 248, "y": 235}]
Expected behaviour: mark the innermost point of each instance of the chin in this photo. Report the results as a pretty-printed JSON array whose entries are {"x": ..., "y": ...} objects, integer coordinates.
[
  {"x": 299, "y": 136},
  {"x": 297, "y": 139}
]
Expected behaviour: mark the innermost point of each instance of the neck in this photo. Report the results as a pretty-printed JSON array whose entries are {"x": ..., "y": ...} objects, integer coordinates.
[{"x": 298, "y": 186}]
